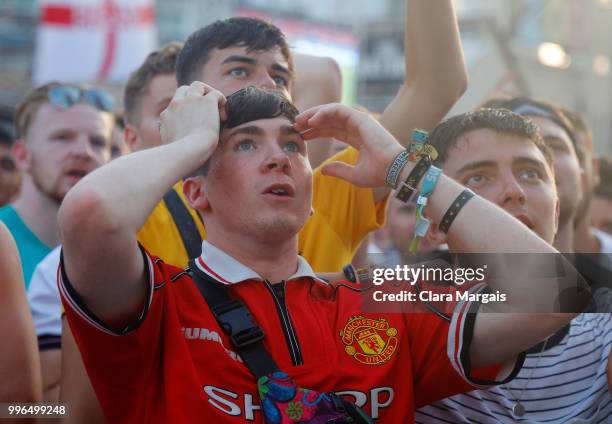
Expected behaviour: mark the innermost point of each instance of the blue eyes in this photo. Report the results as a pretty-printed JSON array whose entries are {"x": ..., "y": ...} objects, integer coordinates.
[
  {"x": 238, "y": 72},
  {"x": 479, "y": 179},
  {"x": 529, "y": 175},
  {"x": 475, "y": 179},
  {"x": 244, "y": 146},
  {"x": 292, "y": 147},
  {"x": 247, "y": 145},
  {"x": 98, "y": 142},
  {"x": 280, "y": 81}
]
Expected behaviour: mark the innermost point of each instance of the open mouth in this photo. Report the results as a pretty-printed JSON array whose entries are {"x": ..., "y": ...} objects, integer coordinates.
[
  {"x": 76, "y": 173},
  {"x": 280, "y": 190},
  {"x": 525, "y": 220}
]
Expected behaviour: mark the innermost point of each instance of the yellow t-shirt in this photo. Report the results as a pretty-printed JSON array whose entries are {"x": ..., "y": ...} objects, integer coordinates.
[
  {"x": 343, "y": 216},
  {"x": 160, "y": 236}
]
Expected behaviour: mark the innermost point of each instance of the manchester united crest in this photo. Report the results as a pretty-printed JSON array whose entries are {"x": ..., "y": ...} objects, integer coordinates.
[{"x": 369, "y": 341}]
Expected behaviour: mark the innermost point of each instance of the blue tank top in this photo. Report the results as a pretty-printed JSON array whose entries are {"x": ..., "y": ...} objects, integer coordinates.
[{"x": 31, "y": 249}]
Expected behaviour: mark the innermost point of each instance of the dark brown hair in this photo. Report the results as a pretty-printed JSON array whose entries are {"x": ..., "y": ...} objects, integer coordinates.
[
  {"x": 604, "y": 188},
  {"x": 252, "y": 104},
  {"x": 254, "y": 34},
  {"x": 503, "y": 121},
  {"x": 159, "y": 62}
]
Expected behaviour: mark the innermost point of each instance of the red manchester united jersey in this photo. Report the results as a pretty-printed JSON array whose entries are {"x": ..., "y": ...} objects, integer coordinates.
[{"x": 176, "y": 365}]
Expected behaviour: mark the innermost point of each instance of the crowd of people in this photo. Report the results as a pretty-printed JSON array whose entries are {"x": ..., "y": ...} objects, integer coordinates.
[{"x": 203, "y": 250}]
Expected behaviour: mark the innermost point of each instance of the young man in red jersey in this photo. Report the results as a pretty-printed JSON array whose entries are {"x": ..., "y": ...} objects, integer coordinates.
[{"x": 149, "y": 339}]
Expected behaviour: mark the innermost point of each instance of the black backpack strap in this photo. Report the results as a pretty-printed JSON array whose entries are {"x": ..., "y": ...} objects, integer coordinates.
[
  {"x": 236, "y": 320},
  {"x": 184, "y": 223}
]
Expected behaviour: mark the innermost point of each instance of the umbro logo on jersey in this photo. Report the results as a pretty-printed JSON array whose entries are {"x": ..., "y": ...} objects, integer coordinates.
[{"x": 208, "y": 335}]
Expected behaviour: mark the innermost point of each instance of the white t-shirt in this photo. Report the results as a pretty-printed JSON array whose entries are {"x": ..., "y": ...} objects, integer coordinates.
[{"x": 45, "y": 303}]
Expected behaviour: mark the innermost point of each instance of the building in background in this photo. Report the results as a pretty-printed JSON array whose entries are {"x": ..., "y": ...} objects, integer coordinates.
[
  {"x": 18, "y": 21},
  {"x": 555, "y": 49}
]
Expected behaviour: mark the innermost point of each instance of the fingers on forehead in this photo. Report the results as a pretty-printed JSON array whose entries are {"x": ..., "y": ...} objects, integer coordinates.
[
  {"x": 220, "y": 97},
  {"x": 180, "y": 92}
]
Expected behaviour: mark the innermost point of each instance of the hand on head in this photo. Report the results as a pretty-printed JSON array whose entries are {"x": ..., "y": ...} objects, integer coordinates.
[
  {"x": 377, "y": 147},
  {"x": 195, "y": 111}
]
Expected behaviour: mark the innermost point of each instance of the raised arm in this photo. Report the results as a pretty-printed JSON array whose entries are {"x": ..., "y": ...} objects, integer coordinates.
[
  {"x": 318, "y": 81},
  {"x": 497, "y": 337},
  {"x": 20, "y": 379},
  {"x": 100, "y": 216},
  {"x": 435, "y": 75}
]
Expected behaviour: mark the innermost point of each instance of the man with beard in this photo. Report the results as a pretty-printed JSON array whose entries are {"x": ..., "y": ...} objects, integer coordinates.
[{"x": 64, "y": 132}]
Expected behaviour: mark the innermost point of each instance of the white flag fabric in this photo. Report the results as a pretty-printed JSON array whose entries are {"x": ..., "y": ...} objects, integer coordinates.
[{"x": 92, "y": 40}]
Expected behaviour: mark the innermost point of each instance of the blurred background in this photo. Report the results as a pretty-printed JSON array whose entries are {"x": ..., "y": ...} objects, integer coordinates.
[{"x": 554, "y": 49}]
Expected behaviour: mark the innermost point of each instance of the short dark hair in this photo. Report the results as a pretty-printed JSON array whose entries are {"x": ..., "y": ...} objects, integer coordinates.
[
  {"x": 503, "y": 121},
  {"x": 159, "y": 62},
  {"x": 251, "y": 104},
  {"x": 254, "y": 34},
  {"x": 579, "y": 125},
  {"x": 541, "y": 108},
  {"x": 119, "y": 121},
  {"x": 604, "y": 188},
  {"x": 7, "y": 125}
]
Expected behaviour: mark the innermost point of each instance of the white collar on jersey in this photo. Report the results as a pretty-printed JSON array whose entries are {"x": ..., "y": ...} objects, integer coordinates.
[{"x": 228, "y": 270}]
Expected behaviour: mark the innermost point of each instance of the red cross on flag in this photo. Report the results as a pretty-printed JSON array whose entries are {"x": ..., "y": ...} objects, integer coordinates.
[{"x": 92, "y": 40}]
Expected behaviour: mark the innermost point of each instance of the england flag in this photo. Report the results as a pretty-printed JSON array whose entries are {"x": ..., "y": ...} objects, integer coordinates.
[{"x": 92, "y": 40}]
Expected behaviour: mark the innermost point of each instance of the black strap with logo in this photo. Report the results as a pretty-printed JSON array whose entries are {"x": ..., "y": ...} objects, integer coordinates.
[{"x": 184, "y": 223}]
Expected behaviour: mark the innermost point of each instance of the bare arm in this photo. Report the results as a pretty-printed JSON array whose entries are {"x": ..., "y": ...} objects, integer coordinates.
[
  {"x": 318, "y": 81},
  {"x": 496, "y": 337},
  {"x": 436, "y": 75},
  {"x": 100, "y": 216},
  {"x": 435, "y": 69},
  {"x": 50, "y": 365},
  {"x": 20, "y": 379}
]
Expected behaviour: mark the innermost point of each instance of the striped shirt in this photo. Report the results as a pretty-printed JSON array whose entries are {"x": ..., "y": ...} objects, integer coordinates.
[{"x": 563, "y": 384}]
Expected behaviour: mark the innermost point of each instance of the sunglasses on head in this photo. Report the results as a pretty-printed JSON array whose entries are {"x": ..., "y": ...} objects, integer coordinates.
[{"x": 66, "y": 96}]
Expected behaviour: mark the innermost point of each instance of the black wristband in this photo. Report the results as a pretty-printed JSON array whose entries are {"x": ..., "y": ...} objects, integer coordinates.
[
  {"x": 354, "y": 275},
  {"x": 350, "y": 273},
  {"x": 454, "y": 209},
  {"x": 396, "y": 168},
  {"x": 414, "y": 178}
]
